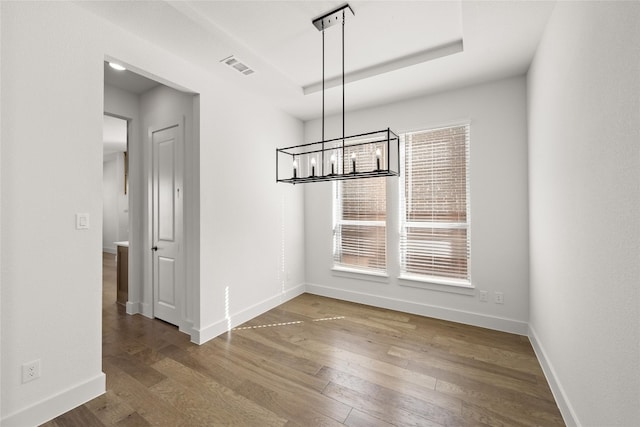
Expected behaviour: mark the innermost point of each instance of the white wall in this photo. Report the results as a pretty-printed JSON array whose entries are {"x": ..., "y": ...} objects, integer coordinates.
[
  {"x": 109, "y": 204},
  {"x": 499, "y": 218},
  {"x": 51, "y": 278},
  {"x": 1, "y": 221},
  {"x": 251, "y": 228},
  {"x": 584, "y": 172},
  {"x": 122, "y": 199},
  {"x": 115, "y": 204},
  {"x": 51, "y": 299}
]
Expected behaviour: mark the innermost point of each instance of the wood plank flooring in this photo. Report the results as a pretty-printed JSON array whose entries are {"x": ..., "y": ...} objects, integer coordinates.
[{"x": 315, "y": 361}]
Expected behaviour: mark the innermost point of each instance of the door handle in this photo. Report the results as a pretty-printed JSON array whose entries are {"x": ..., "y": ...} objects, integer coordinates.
[{"x": 155, "y": 248}]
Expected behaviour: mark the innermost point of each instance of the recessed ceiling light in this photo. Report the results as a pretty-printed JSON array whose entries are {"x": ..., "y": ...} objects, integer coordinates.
[{"x": 116, "y": 66}]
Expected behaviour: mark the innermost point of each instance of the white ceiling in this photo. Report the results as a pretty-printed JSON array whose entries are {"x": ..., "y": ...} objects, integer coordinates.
[
  {"x": 127, "y": 80},
  {"x": 402, "y": 49},
  {"x": 379, "y": 32}
]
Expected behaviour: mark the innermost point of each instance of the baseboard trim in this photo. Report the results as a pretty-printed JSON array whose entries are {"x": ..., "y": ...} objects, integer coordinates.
[
  {"x": 139, "y": 308},
  {"x": 443, "y": 313},
  {"x": 133, "y": 307},
  {"x": 186, "y": 327},
  {"x": 58, "y": 404},
  {"x": 146, "y": 310},
  {"x": 200, "y": 336},
  {"x": 566, "y": 410}
]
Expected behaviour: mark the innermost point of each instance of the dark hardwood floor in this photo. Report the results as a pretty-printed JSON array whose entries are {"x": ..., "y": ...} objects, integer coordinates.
[{"x": 315, "y": 361}]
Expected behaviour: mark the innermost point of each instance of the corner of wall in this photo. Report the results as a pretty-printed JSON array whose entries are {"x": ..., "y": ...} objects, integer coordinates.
[
  {"x": 202, "y": 335},
  {"x": 568, "y": 414}
]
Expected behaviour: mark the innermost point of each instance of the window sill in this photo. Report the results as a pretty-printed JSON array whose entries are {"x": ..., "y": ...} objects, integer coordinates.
[
  {"x": 437, "y": 284},
  {"x": 353, "y": 273}
]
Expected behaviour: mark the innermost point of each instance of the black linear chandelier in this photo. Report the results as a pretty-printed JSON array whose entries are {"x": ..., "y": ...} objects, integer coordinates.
[{"x": 367, "y": 155}]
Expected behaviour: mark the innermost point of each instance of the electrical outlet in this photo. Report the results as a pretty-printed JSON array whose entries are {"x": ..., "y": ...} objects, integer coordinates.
[
  {"x": 30, "y": 371},
  {"x": 499, "y": 298},
  {"x": 484, "y": 296}
]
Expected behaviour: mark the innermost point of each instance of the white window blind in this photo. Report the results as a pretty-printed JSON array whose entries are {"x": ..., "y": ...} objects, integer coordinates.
[
  {"x": 360, "y": 214},
  {"x": 434, "y": 205}
]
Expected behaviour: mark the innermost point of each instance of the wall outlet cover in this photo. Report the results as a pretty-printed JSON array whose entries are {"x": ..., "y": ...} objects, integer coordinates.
[{"x": 30, "y": 371}]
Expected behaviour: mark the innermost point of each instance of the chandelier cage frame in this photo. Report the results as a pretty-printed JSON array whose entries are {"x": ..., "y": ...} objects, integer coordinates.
[{"x": 366, "y": 155}]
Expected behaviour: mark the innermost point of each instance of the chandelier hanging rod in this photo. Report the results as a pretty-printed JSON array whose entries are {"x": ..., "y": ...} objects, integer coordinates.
[
  {"x": 366, "y": 155},
  {"x": 322, "y": 23}
]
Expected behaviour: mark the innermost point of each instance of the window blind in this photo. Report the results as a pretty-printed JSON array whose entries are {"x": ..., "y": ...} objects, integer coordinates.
[
  {"x": 360, "y": 213},
  {"x": 434, "y": 217}
]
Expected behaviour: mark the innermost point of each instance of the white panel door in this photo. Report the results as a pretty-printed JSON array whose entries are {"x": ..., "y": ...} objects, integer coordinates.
[{"x": 168, "y": 282}]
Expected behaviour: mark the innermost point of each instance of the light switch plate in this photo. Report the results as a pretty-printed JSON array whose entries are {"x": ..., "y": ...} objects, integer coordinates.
[{"x": 82, "y": 221}]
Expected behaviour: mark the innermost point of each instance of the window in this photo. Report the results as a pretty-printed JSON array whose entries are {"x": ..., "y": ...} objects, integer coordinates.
[
  {"x": 434, "y": 206},
  {"x": 360, "y": 214}
]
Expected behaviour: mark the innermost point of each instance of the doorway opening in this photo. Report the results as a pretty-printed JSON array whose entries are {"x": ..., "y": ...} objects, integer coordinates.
[
  {"x": 115, "y": 203},
  {"x": 149, "y": 107}
]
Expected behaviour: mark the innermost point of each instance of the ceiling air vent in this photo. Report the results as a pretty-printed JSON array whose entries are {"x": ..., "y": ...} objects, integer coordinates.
[{"x": 239, "y": 66}]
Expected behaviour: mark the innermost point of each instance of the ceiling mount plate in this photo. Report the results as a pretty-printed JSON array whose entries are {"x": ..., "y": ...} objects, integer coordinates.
[{"x": 328, "y": 19}]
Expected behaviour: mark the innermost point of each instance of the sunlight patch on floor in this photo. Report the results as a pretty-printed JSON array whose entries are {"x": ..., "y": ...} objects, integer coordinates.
[{"x": 271, "y": 325}]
